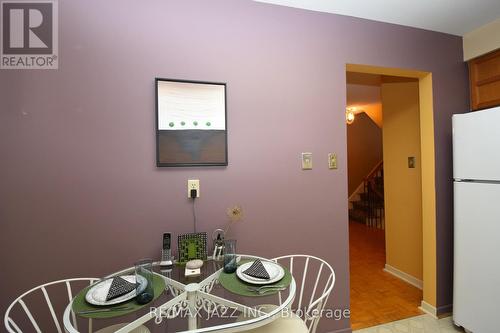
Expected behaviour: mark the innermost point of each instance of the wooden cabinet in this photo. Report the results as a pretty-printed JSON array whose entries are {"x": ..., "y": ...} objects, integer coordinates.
[{"x": 484, "y": 74}]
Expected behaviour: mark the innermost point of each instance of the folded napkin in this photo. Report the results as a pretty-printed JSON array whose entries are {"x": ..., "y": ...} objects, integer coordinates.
[
  {"x": 119, "y": 286},
  {"x": 257, "y": 270}
]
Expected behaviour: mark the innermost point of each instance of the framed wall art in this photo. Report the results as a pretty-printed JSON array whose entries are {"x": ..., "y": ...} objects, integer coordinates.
[
  {"x": 192, "y": 246},
  {"x": 191, "y": 125}
]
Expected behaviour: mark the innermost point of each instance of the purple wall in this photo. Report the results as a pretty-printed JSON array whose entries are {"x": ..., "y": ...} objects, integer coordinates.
[{"x": 80, "y": 194}]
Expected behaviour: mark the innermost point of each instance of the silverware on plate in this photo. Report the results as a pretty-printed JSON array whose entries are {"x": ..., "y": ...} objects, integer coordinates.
[
  {"x": 265, "y": 287},
  {"x": 263, "y": 291},
  {"x": 118, "y": 308}
]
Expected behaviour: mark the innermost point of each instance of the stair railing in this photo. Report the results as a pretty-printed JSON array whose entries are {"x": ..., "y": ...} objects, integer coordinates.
[{"x": 375, "y": 199}]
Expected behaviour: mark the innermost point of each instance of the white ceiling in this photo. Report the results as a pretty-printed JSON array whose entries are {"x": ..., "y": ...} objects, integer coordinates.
[{"x": 456, "y": 17}]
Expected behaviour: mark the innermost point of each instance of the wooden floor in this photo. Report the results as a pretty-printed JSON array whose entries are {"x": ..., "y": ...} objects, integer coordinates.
[{"x": 377, "y": 297}]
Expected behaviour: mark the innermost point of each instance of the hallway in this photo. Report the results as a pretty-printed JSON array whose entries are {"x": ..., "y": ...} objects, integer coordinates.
[{"x": 377, "y": 297}]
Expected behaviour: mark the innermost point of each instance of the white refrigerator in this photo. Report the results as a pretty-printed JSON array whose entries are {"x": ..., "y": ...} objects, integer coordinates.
[{"x": 476, "y": 175}]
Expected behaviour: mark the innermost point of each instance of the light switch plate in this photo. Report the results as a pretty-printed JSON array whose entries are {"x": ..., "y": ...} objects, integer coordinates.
[
  {"x": 332, "y": 161},
  {"x": 307, "y": 162},
  {"x": 411, "y": 162}
]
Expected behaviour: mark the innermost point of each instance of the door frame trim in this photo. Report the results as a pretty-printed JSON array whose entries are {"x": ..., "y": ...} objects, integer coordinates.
[{"x": 426, "y": 110}]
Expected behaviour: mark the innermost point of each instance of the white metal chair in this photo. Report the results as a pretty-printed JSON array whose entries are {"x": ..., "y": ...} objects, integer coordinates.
[
  {"x": 12, "y": 327},
  {"x": 114, "y": 328},
  {"x": 307, "y": 310}
]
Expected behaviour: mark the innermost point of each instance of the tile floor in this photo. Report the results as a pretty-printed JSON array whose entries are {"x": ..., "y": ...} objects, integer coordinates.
[{"x": 419, "y": 324}]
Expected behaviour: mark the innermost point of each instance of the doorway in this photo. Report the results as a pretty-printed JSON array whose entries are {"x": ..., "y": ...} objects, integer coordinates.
[{"x": 386, "y": 248}]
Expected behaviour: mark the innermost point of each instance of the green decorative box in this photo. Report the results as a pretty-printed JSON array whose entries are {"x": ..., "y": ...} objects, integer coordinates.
[{"x": 192, "y": 246}]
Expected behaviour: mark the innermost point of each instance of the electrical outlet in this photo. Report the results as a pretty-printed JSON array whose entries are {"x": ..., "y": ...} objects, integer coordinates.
[{"x": 193, "y": 184}]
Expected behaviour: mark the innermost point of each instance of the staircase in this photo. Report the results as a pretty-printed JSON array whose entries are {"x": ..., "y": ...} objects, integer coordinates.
[{"x": 368, "y": 208}]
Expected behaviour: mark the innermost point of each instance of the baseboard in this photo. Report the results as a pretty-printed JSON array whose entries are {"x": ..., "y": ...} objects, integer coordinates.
[
  {"x": 404, "y": 276},
  {"x": 342, "y": 330},
  {"x": 444, "y": 311},
  {"x": 429, "y": 309}
]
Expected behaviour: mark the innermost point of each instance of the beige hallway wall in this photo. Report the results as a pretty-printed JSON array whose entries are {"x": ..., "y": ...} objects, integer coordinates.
[
  {"x": 364, "y": 149},
  {"x": 402, "y": 185}
]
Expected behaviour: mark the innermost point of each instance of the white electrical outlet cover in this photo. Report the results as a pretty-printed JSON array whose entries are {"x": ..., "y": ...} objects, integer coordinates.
[
  {"x": 307, "y": 161},
  {"x": 193, "y": 184}
]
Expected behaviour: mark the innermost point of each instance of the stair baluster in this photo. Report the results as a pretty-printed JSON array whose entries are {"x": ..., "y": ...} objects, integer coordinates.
[{"x": 370, "y": 207}]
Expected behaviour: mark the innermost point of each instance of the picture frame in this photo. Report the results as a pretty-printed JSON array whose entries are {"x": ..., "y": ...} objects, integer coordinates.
[
  {"x": 192, "y": 246},
  {"x": 191, "y": 123}
]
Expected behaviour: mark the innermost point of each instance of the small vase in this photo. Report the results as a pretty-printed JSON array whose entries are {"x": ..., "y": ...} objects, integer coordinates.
[{"x": 230, "y": 264}]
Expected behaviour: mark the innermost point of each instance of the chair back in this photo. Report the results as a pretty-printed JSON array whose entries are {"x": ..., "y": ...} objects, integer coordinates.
[
  {"x": 35, "y": 297},
  {"x": 315, "y": 279}
]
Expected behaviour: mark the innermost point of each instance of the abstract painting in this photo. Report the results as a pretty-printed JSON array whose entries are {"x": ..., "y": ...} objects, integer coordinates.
[{"x": 191, "y": 125}]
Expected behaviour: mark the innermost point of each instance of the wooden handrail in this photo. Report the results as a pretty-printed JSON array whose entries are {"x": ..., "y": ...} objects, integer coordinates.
[
  {"x": 375, "y": 169},
  {"x": 375, "y": 212},
  {"x": 370, "y": 179},
  {"x": 375, "y": 190}
]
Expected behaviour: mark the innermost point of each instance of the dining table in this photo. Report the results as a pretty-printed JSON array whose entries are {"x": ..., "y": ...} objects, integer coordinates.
[{"x": 211, "y": 301}]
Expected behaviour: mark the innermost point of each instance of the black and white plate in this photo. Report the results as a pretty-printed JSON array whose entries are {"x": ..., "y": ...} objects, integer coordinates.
[{"x": 97, "y": 294}]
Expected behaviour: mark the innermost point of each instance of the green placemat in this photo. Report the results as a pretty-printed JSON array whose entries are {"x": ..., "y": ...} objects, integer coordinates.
[
  {"x": 232, "y": 283},
  {"x": 80, "y": 304}
]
